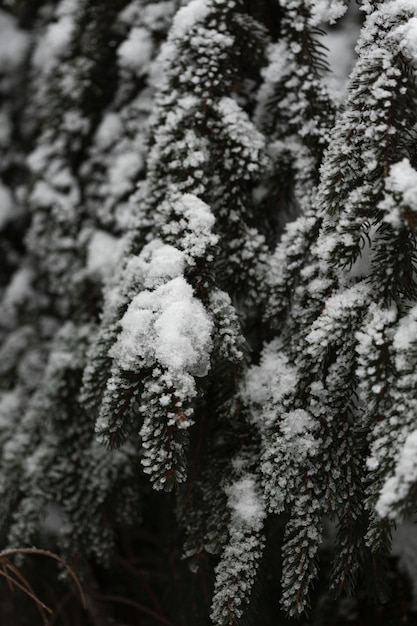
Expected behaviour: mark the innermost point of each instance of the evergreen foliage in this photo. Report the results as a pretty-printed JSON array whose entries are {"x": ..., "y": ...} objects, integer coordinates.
[{"x": 208, "y": 310}]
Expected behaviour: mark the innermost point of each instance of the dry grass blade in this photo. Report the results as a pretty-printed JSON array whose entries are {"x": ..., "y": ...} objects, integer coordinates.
[
  {"x": 5, "y": 554},
  {"x": 4, "y": 572},
  {"x": 20, "y": 582}
]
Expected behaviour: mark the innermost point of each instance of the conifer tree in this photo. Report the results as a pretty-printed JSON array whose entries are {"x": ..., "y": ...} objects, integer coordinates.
[
  {"x": 51, "y": 456},
  {"x": 342, "y": 284},
  {"x": 13, "y": 53},
  {"x": 217, "y": 411}
]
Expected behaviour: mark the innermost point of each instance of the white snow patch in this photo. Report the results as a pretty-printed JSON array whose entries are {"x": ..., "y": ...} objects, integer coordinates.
[
  {"x": 268, "y": 383},
  {"x": 408, "y": 39},
  {"x": 10, "y": 405},
  {"x": 336, "y": 317},
  {"x": 199, "y": 215},
  {"x": 406, "y": 333},
  {"x": 402, "y": 180},
  {"x": 183, "y": 332},
  {"x": 123, "y": 171},
  {"x": 297, "y": 428},
  {"x": 164, "y": 263},
  {"x": 188, "y": 16},
  {"x": 278, "y": 56},
  {"x": 104, "y": 253},
  {"x": 109, "y": 131},
  {"x": 396, "y": 488},
  {"x": 14, "y": 43},
  {"x": 155, "y": 16},
  {"x": 297, "y": 422},
  {"x": 192, "y": 227},
  {"x": 245, "y": 502},
  {"x": 67, "y": 7},
  {"x": 326, "y": 11},
  {"x": 18, "y": 288},
  {"x": 405, "y": 341},
  {"x": 158, "y": 15},
  {"x": 53, "y": 44},
  {"x": 167, "y": 325},
  {"x": 136, "y": 51}
]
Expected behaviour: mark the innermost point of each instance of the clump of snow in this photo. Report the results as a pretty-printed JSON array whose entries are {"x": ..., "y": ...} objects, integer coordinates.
[
  {"x": 269, "y": 383},
  {"x": 157, "y": 78},
  {"x": 10, "y": 405},
  {"x": 67, "y": 7},
  {"x": 183, "y": 331},
  {"x": 14, "y": 43},
  {"x": 191, "y": 227},
  {"x": 405, "y": 341},
  {"x": 290, "y": 445},
  {"x": 396, "y": 488},
  {"x": 280, "y": 65},
  {"x": 188, "y": 16},
  {"x": 245, "y": 502},
  {"x": 131, "y": 348},
  {"x": 236, "y": 571},
  {"x": 337, "y": 317},
  {"x": 154, "y": 266},
  {"x": 161, "y": 263},
  {"x": 109, "y": 131},
  {"x": 135, "y": 53},
  {"x": 278, "y": 57},
  {"x": 402, "y": 180},
  {"x": 104, "y": 253},
  {"x": 407, "y": 35},
  {"x": 228, "y": 330},
  {"x": 130, "y": 13},
  {"x": 53, "y": 44},
  {"x": 38, "y": 158},
  {"x": 326, "y": 11},
  {"x": 296, "y": 423},
  {"x": 168, "y": 326},
  {"x": 373, "y": 332},
  {"x": 19, "y": 288},
  {"x": 6, "y": 206},
  {"x": 241, "y": 132},
  {"x": 124, "y": 169},
  {"x": 406, "y": 332},
  {"x": 74, "y": 121},
  {"x": 157, "y": 15},
  {"x": 298, "y": 428},
  {"x": 198, "y": 214}
]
